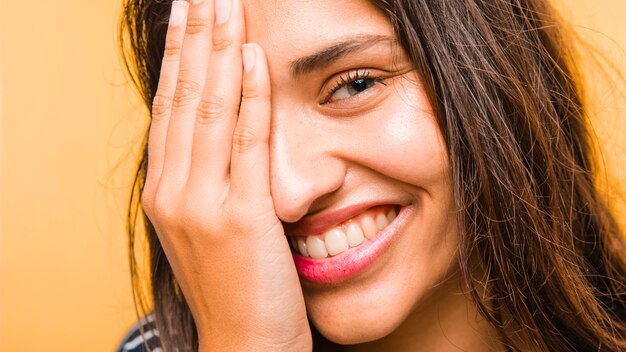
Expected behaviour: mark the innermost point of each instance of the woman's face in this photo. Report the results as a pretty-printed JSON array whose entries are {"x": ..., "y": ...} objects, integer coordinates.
[{"x": 354, "y": 136}]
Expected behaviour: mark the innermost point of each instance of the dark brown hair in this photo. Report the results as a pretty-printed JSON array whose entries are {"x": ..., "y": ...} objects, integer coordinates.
[{"x": 539, "y": 250}]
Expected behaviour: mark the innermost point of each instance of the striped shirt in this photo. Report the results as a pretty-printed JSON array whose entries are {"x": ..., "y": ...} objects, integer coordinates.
[{"x": 135, "y": 341}]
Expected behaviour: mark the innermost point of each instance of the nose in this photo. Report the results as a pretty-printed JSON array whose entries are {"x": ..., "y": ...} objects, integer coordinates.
[{"x": 305, "y": 171}]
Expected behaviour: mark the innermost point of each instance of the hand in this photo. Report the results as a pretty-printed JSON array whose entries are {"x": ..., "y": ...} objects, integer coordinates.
[{"x": 207, "y": 189}]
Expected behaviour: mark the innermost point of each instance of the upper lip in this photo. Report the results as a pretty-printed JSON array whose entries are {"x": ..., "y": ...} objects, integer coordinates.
[{"x": 320, "y": 222}]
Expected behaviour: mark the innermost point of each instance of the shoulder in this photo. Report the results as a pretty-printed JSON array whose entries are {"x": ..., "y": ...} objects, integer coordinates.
[{"x": 142, "y": 337}]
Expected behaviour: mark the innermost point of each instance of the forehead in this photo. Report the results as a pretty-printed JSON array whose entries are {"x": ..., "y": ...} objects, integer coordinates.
[{"x": 287, "y": 29}]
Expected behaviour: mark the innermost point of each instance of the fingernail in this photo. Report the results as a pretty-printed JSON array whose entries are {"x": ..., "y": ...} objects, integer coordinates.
[
  {"x": 222, "y": 11},
  {"x": 247, "y": 53},
  {"x": 177, "y": 15}
]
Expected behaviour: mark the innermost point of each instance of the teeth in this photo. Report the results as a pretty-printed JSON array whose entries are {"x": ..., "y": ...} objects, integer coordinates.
[
  {"x": 355, "y": 235},
  {"x": 392, "y": 215},
  {"x": 370, "y": 229},
  {"x": 302, "y": 246},
  {"x": 381, "y": 221},
  {"x": 336, "y": 241},
  {"x": 344, "y": 236},
  {"x": 316, "y": 247}
]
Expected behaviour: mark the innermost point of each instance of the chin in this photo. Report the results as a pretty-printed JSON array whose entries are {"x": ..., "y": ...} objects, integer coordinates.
[
  {"x": 356, "y": 325},
  {"x": 371, "y": 308},
  {"x": 367, "y": 333}
]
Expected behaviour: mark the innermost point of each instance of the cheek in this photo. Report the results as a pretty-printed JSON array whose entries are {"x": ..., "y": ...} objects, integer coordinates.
[{"x": 409, "y": 146}]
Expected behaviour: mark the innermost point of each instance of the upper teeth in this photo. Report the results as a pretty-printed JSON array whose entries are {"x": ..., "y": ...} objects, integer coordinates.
[{"x": 344, "y": 236}]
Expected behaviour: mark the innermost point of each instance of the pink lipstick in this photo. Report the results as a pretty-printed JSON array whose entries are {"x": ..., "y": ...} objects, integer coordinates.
[{"x": 356, "y": 259}]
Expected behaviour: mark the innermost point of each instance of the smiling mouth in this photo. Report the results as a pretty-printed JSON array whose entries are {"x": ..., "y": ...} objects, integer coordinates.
[{"x": 349, "y": 234}]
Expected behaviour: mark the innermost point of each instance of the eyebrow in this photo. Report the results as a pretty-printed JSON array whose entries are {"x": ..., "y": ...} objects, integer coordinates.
[{"x": 334, "y": 52}]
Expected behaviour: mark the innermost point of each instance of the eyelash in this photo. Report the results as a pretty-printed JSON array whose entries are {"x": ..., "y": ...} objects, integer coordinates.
[{"x": 349, "y": 78}]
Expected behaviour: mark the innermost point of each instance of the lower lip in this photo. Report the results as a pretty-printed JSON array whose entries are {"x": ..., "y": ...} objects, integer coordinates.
[{"x": 354, "y": 261}]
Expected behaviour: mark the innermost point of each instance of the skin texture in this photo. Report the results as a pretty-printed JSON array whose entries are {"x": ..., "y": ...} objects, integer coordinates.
[{"x": 225, "y": 173}]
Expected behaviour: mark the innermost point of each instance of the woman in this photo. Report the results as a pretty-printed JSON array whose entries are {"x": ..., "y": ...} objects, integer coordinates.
[{"x": 392, "y": 175}]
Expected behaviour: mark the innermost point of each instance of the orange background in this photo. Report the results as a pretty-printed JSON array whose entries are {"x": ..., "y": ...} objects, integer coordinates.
[{"x": 70, "y": 127}]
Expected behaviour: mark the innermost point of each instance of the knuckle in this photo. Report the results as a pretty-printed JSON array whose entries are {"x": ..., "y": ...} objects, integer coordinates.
[
  {"x": 160, "y": 106},
  {"x": 211, "y": 109},
  {"x": 164, "y": 212},
  {"x": 147, "y": 202},
  {"x": 253, "y": 94},
  {"x": 186, "y": 92},
  {"x": 172, "y": 49},
  {"x": 196, "y": 25},
  {"x": 164, "y": 208},
  {"x": 222, "y": 43},
  {"x": 244, "y": 139}
]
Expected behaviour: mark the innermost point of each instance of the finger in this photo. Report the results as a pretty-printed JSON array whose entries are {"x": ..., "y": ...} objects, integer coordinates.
[
  {"x": 162, "y": 103},
  {"x": 219, "y": 107},
  {"x": 192, "y": 72},
  {"x": 249, "y": 169}
]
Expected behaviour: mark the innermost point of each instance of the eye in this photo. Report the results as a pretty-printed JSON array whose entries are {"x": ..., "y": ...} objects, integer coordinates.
[{"x": 351, "y": 84}]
